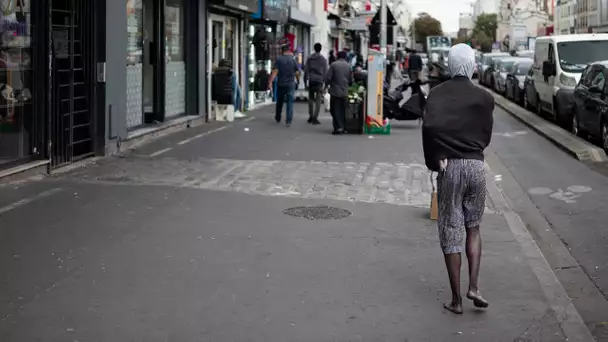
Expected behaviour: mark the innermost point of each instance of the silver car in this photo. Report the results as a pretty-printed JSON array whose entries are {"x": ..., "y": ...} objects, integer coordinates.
[{"x": 503, "y": 66}]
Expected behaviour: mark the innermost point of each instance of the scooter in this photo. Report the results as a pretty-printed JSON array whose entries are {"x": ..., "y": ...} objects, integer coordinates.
[{"x": 410, "y": 110}]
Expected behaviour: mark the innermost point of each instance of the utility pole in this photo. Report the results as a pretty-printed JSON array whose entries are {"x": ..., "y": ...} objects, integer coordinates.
[
  {"x": 414, "y": 34},
  {"x": 383, "y": 32}
]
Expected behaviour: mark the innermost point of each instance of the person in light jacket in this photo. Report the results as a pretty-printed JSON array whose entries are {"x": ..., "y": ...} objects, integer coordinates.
[{"x": 457, "y": 128}]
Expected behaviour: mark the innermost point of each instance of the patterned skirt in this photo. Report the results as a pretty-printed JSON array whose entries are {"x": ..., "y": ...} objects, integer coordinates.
[{"x": 461, "y": 195}]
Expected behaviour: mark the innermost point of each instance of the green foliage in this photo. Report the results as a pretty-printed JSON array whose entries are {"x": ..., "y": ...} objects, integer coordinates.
[
  {"x": 426, "y": 25},
  {"x": 483, "y": 41},
  {"x": 486, "y": 24}
]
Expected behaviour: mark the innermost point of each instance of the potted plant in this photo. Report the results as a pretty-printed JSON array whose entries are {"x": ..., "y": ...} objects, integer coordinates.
[{"x": 354, "y": 115}]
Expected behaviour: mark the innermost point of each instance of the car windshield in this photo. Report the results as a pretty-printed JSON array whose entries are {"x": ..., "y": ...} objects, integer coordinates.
[
  {"x": 522, "y": 69},
  {"x": 574, "y": 56},
  {"x": 506, "y": 66}
]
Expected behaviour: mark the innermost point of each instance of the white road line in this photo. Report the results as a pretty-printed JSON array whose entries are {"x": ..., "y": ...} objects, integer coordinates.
[
  {"x": 28, "y": 200},
  {"x": 158, "y": 153},
  {"x": 185, "y": 141}
]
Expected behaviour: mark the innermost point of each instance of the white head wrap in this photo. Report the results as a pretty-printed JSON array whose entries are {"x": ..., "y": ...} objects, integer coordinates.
[{"x": 461, "y": 61}]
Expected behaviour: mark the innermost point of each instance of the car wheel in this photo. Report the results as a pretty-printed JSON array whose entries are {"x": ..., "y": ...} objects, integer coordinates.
[
  {"x": 605, "y": 136},
  {"x": 539, "y": 109},
  {"x": 526, "y": 104},
  {"x": 576, "y": 128}
]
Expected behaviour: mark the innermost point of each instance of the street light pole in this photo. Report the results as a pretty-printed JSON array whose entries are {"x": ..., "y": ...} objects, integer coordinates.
[
  {"x": 414, "y": 34},
  {"x": 383, "y": 38}
]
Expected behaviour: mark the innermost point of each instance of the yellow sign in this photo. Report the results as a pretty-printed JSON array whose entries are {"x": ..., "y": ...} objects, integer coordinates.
[{"x": 379, "y": 91}]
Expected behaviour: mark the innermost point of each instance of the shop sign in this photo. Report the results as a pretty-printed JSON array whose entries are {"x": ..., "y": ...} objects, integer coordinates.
[{"x": 276, "y": 10}]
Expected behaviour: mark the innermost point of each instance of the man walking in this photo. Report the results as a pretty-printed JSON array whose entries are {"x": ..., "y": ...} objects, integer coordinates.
[
  {"x": 339, "y": 78},
  {"x": 287, "y": 74},
  {"x": 415, "y": 69},
  {"x": 314, "y": 76}
]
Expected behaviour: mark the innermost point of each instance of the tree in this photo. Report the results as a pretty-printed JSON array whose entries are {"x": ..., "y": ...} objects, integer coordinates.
[
  {"x": 483, "y": 41},
  {"x": 486, "y": 24},
  {"x": 425, "y": 25}
]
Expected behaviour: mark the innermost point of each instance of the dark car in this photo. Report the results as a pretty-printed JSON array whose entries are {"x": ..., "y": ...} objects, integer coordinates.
[
  {"x": 514, "y": 88},
  {"x": 485, "y": 66},
  {"x": 590, "y": 109}
]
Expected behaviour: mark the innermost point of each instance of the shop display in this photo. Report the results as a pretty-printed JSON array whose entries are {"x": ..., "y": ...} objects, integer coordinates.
[{"x": 15, "y": 78}]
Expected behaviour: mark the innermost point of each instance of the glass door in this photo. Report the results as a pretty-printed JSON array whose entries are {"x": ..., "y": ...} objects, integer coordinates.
[
  {"x": 140, "y": 69},
  {"x": 175, "y": 63}
]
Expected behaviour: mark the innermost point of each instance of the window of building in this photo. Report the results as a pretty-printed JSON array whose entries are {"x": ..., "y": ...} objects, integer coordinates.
[{"x": 16, "y": 77}]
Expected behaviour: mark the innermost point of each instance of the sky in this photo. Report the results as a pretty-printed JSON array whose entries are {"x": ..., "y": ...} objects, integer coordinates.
[{"x": 446, "y": 11}]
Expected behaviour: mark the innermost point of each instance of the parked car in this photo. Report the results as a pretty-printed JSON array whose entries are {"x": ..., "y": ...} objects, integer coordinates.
[
  {"x": 490, "y": 74},
  {"x": 477, "y": 61},
  {"x": 559, "y": 63},
  {"x": 503, "y": 66},
  {"x": 525, "y": 53},
  {"x": 485, "y": 64},
  {"x": 590, "y": 108},
  {"x": 514, "y": 87}
]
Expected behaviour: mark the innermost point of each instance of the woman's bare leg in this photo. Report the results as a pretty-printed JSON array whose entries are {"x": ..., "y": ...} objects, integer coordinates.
[
  {"x": 473, "y": 249},
  {"x": 452, "y": 262}
]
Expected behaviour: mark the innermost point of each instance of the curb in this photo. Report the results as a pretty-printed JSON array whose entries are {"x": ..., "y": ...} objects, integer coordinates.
[
  {"x": 568, "y": 317},
  {"x": 573, "y": 145}
]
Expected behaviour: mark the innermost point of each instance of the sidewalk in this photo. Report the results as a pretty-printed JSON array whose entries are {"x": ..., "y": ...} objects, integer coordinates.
[{"x": 194, "y": 245}]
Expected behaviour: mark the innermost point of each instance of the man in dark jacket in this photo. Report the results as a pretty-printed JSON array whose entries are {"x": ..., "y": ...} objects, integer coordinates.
[
  {"x": 339, "y": 78},
  {"x": 415, "y": 65},
  {"x": 314, "y": 77}
]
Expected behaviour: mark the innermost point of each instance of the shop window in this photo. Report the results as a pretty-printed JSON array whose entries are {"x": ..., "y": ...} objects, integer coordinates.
[
  {"x": 135, "y": 63},
  {"x": 16, "y": 77},
  {"x": 175, "y": 70}
]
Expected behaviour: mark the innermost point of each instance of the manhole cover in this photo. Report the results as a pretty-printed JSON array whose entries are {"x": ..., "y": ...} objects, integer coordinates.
[{"x": 318, "y": 213}]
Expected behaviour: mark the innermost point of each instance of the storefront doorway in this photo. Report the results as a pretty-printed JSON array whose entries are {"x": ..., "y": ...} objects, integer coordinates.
[
  {"x": 72, "y": 80},
  {"x": 223, "y": 34},
  {"x": 156, "y": 65}
]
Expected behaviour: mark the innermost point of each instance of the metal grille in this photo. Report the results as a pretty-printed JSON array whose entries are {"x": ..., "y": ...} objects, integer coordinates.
[{"x": 72, "y": 81}]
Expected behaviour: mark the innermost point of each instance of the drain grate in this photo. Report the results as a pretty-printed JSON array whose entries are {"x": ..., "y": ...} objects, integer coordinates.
[{"x": 318, "y": 213}]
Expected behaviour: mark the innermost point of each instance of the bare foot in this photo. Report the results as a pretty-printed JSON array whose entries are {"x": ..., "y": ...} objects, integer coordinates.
[
  {"x": 477, "y": 299},
  {"x": 453, "y": 307}
]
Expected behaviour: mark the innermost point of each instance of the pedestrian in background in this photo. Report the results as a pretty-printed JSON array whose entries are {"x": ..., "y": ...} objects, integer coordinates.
[
  {"x": 339, "y": 78},
  {"x": 286, "y": 72},
  {"x": 332, "y": 57},
  {"x": 457, "y": 128},
  {"x": 315, "y": 69}
]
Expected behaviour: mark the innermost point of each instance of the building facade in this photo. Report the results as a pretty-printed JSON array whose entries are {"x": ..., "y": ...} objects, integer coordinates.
[
  {"x": 564, "y": 18},
  {"x": 586, "y": 16}
]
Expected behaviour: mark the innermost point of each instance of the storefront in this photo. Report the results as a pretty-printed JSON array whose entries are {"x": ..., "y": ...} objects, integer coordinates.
[
  {"x": 265, "y": 32},
  {"x": 47, "y": 82},
  {"x": 227, "y": 37},
  {"x": 19, "y": 119},
  {"x": 156, "y": 72}
]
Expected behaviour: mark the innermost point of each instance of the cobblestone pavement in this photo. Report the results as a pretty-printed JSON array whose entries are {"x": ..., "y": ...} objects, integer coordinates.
[{"x": 391, "y": 183}]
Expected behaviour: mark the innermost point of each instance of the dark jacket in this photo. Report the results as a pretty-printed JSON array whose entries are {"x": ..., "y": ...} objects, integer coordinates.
[
  {"x": 458, "y": 122},
  {"x": 221, "y": 85},
  {"x": 415, "y": 62},
  {"x": 339, "y": 78},
  {"x": 315, "y": 69}
]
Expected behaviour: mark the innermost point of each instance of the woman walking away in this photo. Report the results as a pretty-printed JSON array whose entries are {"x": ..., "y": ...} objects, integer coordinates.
[{"x": 457, "y": 128}]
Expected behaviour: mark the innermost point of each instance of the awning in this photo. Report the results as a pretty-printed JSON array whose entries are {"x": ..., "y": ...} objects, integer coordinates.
[
  {"x": 359, "y": 23},
  {"x": 302, "y": 17}
]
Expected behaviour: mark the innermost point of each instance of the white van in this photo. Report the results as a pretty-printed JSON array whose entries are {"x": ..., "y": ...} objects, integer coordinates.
[{"x": 558, "y": 64}]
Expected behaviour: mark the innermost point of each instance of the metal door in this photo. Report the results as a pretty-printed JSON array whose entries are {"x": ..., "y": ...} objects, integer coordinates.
[{"x": 72, "y": 81}]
